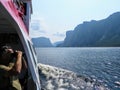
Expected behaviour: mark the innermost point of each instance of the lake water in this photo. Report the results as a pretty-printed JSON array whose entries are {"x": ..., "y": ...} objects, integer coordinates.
[{"x": 101, "y": 65}]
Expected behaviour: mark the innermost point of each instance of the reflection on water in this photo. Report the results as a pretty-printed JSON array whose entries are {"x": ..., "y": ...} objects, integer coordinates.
[
  {"x": 102, "y": 64},
  {"x": 54, "y": 78}
]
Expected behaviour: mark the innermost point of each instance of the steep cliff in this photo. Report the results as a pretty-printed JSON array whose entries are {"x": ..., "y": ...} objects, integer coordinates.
[{"x": 104, "y": 32}]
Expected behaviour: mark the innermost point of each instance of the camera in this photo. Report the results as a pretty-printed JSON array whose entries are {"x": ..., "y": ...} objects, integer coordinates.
[{"x": 14, "y": 54}]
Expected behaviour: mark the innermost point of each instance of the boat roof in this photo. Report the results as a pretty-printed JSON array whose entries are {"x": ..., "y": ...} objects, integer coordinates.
[{"x": 9, "y": 7}]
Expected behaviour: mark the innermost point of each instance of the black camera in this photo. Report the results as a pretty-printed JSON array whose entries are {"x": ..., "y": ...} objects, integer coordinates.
[{"x": 14, "y": 54}]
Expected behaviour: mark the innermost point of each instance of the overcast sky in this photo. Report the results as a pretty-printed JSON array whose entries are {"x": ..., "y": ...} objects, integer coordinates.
[{"x": 52, "y": 18}]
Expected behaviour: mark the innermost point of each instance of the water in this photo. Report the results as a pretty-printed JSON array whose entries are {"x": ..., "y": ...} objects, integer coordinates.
[{"x": 98, "y": 65}]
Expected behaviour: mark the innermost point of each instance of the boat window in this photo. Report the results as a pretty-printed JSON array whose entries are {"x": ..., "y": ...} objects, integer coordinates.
[
  {"x": 25, "y": 8},
  {"x": 33, "y": 52},
  {"x": 34, "y": 49}
]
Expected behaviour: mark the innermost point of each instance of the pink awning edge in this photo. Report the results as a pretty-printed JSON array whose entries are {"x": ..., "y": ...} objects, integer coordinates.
[{"x": 10, "y": 7}]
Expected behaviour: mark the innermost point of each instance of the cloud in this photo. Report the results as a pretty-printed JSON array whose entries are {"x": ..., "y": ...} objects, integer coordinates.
[
  {"x": 38, "y": 27},
  {"x": 35, "y": 26},
  {"x": 59, "y": 34}
]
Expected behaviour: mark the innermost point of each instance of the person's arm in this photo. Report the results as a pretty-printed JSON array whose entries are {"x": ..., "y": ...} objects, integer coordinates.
[
  {"x": 16, "y": 69},
  {"x": 12, "y": 68},
  {"x": 18, "y": 63},
  {"x": 4, "y": 70}
]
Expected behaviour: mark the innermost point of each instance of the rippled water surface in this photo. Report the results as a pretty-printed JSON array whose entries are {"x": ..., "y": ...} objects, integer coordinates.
[{"x": 101, "y": 64}]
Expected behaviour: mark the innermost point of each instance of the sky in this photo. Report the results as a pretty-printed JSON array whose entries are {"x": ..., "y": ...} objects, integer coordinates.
[{"x": 52, "y": 18}]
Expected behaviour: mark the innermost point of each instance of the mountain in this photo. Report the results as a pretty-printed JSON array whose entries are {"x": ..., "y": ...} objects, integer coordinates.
[
  {"x": 103, "y": 33},
  {"x": 42, "y": 42},
  {"x": 57, "y": 43}
]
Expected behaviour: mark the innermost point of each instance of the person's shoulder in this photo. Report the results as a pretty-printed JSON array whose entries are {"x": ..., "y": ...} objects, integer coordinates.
[{"x": 3, "y": 67}]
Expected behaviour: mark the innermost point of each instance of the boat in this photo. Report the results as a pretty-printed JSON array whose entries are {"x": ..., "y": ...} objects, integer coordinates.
[{"x": 15, "y": 16}]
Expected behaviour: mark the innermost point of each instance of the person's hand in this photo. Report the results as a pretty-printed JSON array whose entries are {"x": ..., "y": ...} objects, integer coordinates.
[
  {"x": 9, "y": 50},
  {"x": 19, "y": 53}
]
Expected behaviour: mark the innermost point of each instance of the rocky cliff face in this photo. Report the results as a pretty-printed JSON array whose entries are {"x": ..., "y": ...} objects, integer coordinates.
[
  {"x": 42, "y": 42},
  {"x": 105, "y": 33}
]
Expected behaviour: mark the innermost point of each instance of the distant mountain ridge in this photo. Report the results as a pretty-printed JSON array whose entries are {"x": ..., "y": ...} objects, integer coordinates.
[
  {"x": 103, "y": 33},
  {"x": 57, "y": 43},
  {"x": 42, "y": 42}
]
